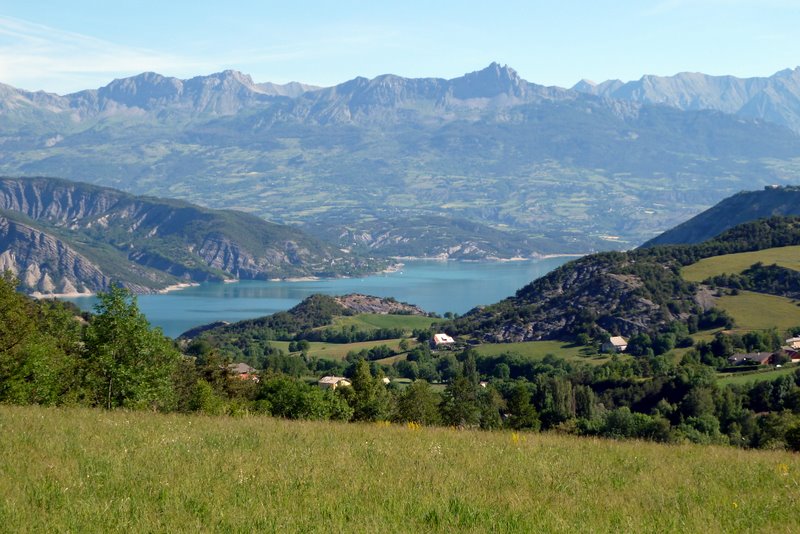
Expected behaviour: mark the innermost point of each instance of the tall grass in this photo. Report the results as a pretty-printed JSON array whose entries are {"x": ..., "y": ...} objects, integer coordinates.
[{"x": 70, "y": 470}]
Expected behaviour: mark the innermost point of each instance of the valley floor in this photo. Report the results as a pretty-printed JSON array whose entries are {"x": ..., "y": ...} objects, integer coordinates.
[{"x": 81, "y": 470}]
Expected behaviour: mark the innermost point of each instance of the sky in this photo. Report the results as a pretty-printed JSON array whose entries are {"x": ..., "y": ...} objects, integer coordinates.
[{"x": 63, "y": 47}]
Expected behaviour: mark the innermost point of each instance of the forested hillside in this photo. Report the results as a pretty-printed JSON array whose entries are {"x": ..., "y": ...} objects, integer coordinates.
[
  {"x": 636, "y": 292},
  {"x": 740, "y": 208}
]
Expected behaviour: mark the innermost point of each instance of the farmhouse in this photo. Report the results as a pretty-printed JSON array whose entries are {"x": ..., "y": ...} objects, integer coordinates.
[
  {"x": 615, "y": 344},
  {"x": 333, "y": 382},
  {"x": 759, "y": 358},
  {"x": 441, "y": 340}
]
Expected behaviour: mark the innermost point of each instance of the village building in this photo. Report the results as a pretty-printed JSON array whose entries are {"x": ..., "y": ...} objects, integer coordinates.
[
  {"x": 793, "y": 342},
  {"x": 333, "y": 382},
  {"x": 441, "y": 340},
  {"x": 615, "y": 344},
  {"x": 759, "y": 358}
]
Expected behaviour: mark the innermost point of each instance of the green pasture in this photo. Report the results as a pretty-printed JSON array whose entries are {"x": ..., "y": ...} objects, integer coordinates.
[
  {"x": 768, "y": 373},
  {"x": 373, "y": 321},
  {"x": 338, "y": 351},
  {"x": 82, "y": 470},
  {"x": 788, "y": 257},
  {"x": 537, "y": 350},
  {"x": 757, "y": 311}
]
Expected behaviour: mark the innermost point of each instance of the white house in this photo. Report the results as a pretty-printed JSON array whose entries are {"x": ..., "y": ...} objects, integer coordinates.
[
  {"x": 333, "y": 382},
  {"x": 793, "y": 342},
  {"x": 440, "y": 340},
  {"x": 615, "y": 344}
]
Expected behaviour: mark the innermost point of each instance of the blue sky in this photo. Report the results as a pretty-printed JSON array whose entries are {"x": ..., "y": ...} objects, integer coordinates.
[{"x": 66, "y": 46}]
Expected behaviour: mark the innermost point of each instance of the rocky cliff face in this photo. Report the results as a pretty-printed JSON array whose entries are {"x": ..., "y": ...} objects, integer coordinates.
[
  {"x": 45, "y": 264},
  {"x": 147, "y": 243},
  {"x": 358, "y": 303}
]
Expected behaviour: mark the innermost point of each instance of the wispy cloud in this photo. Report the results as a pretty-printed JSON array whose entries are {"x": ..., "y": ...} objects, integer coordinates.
[
  {"x": 63, "y": 61},
  {"x": 35, "y": 56}
]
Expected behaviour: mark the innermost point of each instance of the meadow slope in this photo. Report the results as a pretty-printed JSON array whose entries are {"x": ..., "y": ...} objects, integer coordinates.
[{"x": 82, "y": 470}]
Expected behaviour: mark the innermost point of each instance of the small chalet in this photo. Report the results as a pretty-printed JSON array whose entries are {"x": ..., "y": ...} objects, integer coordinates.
[
  {"x": 242, "y": 371},
  {"x": 615, "y": 344},
  {"x": 333, "y": 382},
  {"x": 759, "y": 358},
  {"x": 441, "y": 340}
]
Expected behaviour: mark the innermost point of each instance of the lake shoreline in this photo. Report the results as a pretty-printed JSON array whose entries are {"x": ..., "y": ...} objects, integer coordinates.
[{"x": 435, "y": 286}]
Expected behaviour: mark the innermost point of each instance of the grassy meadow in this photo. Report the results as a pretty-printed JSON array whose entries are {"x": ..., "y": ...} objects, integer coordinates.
[
  {"x": 788, "y": 257},
  {"x": 757, "y": 311},
  {"x": 338, "y": 351},
  {"x": 536, "y": 350},
  {"x": 373, "y": 321},
  {"x": 82, "y": 470},
  {"x": 760, "y": 375}
]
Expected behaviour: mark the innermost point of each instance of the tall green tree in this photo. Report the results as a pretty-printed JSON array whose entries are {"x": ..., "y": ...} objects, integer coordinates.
[
  {"x": 418, "y": 403},
  {"x": 127, "y": 362},
  {"x": 369, "y": 398}
]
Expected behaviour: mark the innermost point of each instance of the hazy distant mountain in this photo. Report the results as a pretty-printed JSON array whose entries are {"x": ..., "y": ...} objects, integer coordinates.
[
  {"x": 62, "y": 237},
  {"x": 776, "y": 98},
  {"x": 504, "y": 166},
  {"x": 291, "y": 89}
]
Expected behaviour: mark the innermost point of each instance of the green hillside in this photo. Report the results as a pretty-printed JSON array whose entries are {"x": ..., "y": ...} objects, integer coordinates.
[
  {"x": 788, "y": 257},
  {"x": 757, "y": 311},
  {"x": 77, "y": 470}
]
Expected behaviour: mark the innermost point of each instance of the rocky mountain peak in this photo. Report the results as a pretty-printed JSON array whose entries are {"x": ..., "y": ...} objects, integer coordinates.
[
  {"x": 140, "y": 90},
  {"x": 492, "y": 81}
]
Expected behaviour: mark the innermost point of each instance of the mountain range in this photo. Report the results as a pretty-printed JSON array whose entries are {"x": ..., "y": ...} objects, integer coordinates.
[
  {"x": 65, "y": 237},
  {"x": 398, "y": 166},
  {"x": 775, "y": 98}
]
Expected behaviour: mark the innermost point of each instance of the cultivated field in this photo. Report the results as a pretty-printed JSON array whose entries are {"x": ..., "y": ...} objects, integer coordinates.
[
  {"x": 69, "y": 470},
  {"x": 788, "y": 257}
]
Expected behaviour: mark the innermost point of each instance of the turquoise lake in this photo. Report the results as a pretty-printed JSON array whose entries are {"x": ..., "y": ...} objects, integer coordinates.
[{"x": 436, "y": 286}]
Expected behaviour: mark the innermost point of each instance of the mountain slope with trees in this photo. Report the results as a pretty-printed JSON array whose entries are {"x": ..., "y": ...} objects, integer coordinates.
[{"x": 739, "y": 208}]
